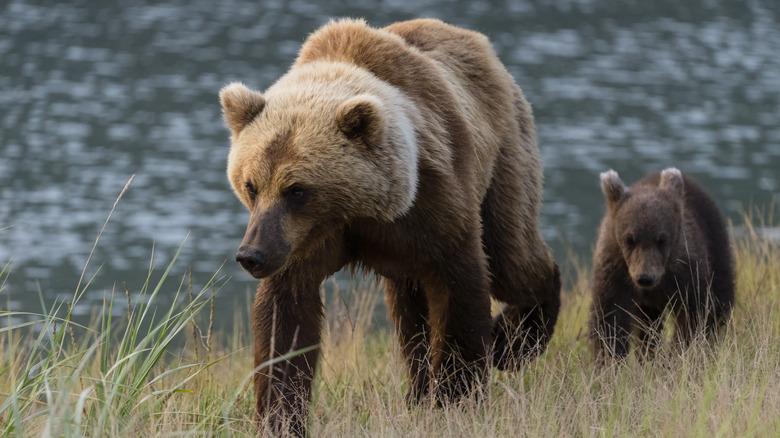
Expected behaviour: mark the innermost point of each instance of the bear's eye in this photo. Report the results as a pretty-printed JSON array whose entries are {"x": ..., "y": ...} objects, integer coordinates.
[
  {"x": 630, "y": 241},
  {"x": 250, "y": 190},
  {"x": 662, "y": 240},
  {"x": 296, "y": 194}
]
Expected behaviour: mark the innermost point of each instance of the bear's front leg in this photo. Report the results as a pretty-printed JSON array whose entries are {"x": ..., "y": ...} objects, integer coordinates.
[
  {"x": 697, "y": 314},
  {"x": 458, "y": 297},
  {"x": 610, "y": 321},
  {"x": 408, "y": 308},
  {"x": 287, "y": 316}
]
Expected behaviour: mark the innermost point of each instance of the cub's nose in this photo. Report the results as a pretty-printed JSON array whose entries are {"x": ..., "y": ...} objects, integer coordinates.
[
  {"x": 645, "y": 280},
  {"x": 250, "y": 259}
]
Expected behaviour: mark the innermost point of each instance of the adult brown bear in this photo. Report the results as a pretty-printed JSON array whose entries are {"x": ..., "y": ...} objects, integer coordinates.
[
  {"x": 410, "y": 151},
  {"x": 662, "y": 245}
]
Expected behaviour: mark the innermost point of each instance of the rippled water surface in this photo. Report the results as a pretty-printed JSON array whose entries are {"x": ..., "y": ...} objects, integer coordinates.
[{"x": 93, "y": 93}]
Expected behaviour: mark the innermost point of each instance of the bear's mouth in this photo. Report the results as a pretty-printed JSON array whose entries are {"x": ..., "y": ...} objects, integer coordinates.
[{"x": 263, "y": 272}]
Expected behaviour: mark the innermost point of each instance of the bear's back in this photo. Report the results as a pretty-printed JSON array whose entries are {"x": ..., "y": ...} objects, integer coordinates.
[
  {"x": 457, "y": 49},
  {"x": 470, "y": 103},
  {"x": 401, "y": 53}
]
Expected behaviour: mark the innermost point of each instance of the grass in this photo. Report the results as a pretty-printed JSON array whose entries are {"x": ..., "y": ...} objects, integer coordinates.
[{"x": 123, "y": 376}]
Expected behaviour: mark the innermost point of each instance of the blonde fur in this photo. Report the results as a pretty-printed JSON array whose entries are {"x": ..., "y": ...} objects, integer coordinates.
[{"x": 305, "y": 101}]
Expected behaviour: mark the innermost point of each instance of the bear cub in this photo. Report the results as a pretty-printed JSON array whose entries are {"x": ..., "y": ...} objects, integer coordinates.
[{"x": 662, "y": 244}]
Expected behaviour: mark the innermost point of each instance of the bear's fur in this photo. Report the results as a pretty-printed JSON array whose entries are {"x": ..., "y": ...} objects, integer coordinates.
[
  {"x": 662, "y": 244},
  {"x": 409, "y": 151}
]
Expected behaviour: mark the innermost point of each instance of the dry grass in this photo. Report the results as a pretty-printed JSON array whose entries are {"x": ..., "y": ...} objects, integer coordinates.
[
  {"x": 724, "y": 390},
  {"x": 136, "y": 385}
]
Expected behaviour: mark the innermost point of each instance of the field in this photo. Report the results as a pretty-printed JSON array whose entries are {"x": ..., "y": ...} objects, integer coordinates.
[{"x": 128, "y": 375}]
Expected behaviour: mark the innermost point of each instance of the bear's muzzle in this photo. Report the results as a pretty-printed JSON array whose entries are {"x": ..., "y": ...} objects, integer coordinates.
[
  {"x": 263, "y": 250},
  {"x": 250, "y": 259}
]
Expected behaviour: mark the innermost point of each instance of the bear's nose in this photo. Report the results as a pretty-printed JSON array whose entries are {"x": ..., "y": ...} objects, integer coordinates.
[
  {"x": 250, "y": 259},
  {"x": 645, "y": 280}
]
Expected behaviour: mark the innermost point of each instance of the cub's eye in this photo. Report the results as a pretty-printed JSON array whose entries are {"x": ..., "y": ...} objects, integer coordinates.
[
  {"x": 250, "y": 190},
  {"x": 662, "y": 240},
  {"x": 630, "y": 241},
  {"x": 296, "y": 193}
]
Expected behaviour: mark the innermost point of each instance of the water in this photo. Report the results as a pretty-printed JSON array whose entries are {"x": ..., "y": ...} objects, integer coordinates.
[{"x": 93, "y": 92}]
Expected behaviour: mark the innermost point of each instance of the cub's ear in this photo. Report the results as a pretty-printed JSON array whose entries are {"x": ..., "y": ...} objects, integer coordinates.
[
  {"x": 240, "y": 105},
  {"x": 360, "y": 119},
  {"x": 672, "y": 181},
  {"x": 613, "y": 188}
]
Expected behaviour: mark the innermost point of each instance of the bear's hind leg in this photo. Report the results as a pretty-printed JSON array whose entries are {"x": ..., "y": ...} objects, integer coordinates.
[
  {"x": 408, "y": 308},
  {"x": 524, "y": 275}
]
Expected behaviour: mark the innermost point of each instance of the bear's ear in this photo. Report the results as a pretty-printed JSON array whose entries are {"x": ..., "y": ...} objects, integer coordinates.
[
  {"x": 672, "y": 181},
  {"x": 360, "y": 119},
  {"x": 613, "y": 187},
  {"x": 240, "y": 106}
]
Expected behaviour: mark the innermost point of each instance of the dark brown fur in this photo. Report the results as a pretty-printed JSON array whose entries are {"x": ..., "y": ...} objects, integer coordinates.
[
  {"x": 663, "y": 244},
  {"x": 474, "y": 218}
]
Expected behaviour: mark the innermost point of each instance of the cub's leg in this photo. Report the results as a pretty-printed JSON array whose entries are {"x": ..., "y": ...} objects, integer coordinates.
[
  {"x": 649, "y": 325},
  {"x": 611, "y": 318}
]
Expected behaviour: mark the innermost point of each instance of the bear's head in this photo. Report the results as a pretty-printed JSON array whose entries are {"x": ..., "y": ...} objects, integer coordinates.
[
  {"x": 646, "y": 222},
  {"x": 326, "y": 144}
]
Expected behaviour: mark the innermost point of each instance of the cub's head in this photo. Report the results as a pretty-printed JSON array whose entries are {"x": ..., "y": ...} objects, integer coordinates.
[
  {"x": 646, "y": 222},
  {"x": 312, "y": 153}
]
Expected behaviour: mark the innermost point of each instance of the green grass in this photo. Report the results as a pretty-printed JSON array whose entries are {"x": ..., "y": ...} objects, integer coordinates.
[{"x": 123, "y": 376}]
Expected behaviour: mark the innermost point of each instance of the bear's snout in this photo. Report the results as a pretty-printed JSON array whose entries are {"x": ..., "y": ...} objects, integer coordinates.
[
  {"x": 250, "y": 259},
  {"x": 646, "y": 267},
  {"x": 263, "y": 251},
  {"x": 258, "y": 263},
  {"x": 646, "y": 280}
]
